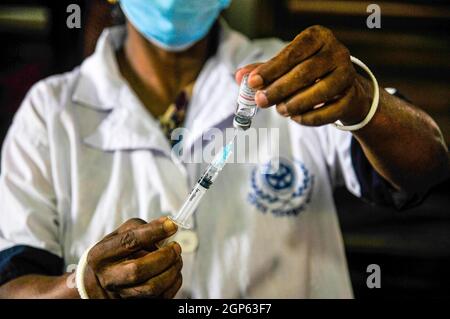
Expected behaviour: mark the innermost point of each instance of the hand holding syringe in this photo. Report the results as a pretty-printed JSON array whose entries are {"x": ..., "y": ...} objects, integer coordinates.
[{"x": 245, "y": 111}]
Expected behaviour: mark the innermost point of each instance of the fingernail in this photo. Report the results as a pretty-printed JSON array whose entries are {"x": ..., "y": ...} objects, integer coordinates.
[
  {"x": 169, "y": 227},
  {"x": 255, "y": 81},
  {"x": 297, "y": 119},
  {"x": 162, "y": 219},
  {"x": 177, "y": 248},
  {"x": 282, "y": 109},
  {"x": 261, "y": 99}
]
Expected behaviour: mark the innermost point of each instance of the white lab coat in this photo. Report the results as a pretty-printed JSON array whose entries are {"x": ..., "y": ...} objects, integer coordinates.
[{"x": 83, "y": 155}]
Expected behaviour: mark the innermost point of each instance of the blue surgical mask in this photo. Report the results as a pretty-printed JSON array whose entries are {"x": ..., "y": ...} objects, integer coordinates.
[{"x": 173, "y": 25}]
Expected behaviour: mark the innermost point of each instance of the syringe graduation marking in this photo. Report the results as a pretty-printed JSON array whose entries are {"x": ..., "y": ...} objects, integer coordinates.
[{"x": 246, "y": 110}]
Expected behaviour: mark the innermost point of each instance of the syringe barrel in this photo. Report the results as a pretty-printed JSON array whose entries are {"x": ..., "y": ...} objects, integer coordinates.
[
  {"x": 203, "y": 184},
  {"x": 189, "y": 206}
]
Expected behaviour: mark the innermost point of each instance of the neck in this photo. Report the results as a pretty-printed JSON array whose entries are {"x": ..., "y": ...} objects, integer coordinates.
[{"x": 157, "y": 75}]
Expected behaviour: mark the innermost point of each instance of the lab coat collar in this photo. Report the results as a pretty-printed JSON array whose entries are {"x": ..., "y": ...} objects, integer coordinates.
[
  {"x": 129, "y": 126},
  {"x": 100, "y": 80}
]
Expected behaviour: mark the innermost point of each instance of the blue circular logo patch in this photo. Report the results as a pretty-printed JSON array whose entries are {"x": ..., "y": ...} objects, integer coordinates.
[
  {"x": 281, "y": 186},
  {"x": 282, "y": 179}
]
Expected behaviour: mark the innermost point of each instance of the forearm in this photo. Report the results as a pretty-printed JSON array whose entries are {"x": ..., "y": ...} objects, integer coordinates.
[
  {"x": 39, "y": 287},
  {"x": 404, "y": 144}
]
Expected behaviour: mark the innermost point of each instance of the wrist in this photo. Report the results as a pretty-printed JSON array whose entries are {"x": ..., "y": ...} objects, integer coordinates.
[
  {"x": 361, "y": 103},
  {"x": 40, "y": 286},
  {"x": 64, "y": 287}
]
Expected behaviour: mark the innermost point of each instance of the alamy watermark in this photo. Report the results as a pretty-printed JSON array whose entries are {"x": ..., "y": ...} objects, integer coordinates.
[
  {"x": 374, "y": 279},
  {"x": 374, "y": 19},
  {"x": 253, "y": 146},
  {"x": 73, "y": 20}
]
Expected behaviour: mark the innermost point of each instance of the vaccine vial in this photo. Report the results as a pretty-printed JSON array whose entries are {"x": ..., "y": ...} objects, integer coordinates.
[{"x": 246, "y": 106}]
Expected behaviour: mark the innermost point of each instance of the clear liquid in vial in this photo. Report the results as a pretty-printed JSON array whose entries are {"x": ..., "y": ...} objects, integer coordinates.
[{"x": 246, "y": 105}]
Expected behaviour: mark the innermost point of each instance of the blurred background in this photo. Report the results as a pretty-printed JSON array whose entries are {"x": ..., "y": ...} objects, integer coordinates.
[{"x": 410, "y": 52}]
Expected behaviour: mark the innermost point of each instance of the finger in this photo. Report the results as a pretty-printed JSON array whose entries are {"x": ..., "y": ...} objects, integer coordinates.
[
  {"x": 129, "y": 224},
  {"x": 155, "y": 286},
  {"x": 243, "y": 71},
  {"x": 301, "y": 76},
  {"x": 172, "y": 291},
  {"x": 130, "y": 241},
  {"x": 327, "y": 89},
  {"x": 132, "y": 272},
  {"x": 281, "y": 109},
  {"x": 328, "y": 113},
  {"x": 302, "y": 47},
  {"x": 133, "y": 223}
]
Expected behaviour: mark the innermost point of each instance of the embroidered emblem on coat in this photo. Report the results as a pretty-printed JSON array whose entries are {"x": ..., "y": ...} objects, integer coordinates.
[{"x": 283, "y": 190}]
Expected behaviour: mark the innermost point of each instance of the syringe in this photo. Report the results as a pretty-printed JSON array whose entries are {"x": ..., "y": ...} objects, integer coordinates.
[
  {"x": 245, "y": 111},
  {"x": 203, "y": 184}
]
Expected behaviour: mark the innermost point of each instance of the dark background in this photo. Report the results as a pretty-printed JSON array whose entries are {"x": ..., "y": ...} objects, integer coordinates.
[{"x": 410, "y": 52}]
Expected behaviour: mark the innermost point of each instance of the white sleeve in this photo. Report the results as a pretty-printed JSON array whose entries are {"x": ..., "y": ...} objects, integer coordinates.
[
  {"x": 336, "y": 148},
  {"x": 28, "y": 214}
]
